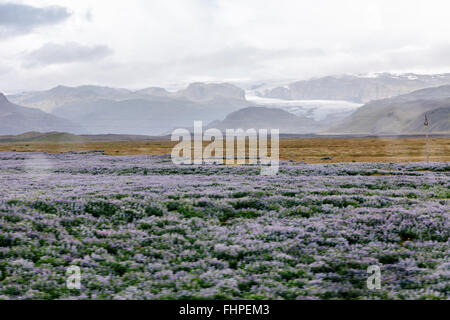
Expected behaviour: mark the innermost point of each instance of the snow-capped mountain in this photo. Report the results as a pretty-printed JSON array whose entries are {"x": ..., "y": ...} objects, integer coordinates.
[{"x": 355, "y": 88}]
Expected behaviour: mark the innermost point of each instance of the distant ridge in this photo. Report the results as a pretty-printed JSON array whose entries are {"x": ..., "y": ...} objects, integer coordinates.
[
  {"x": 150, "y": 111},
  {"x": 61, "y": 96},
  {"x": 43, "y": 137},
  {"x": 267, "y": 118},
  {"x": 154, "y": 111},
  {"x": 361, "y": 89},
  {"x": 404, "y": 114},
  {"x": 62, "y": 137},
  {"x": 15, "y": 119},
  {"x": 51, "y": 137}
]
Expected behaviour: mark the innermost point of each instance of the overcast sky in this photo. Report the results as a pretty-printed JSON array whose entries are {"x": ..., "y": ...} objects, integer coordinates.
[{"x": 141, "y": 43}]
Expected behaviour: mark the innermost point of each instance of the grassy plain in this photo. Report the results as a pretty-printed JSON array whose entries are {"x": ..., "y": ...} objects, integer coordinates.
[{"x": 310, "y": 150}]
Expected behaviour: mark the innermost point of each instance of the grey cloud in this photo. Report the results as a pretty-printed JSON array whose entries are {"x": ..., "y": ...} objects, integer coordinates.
[
  {"x": 88, "y": 15},
  {"x": 411, "y": 58},
  {"x": 16, "y": 19},
  {"x": 255, "y": 54},
  {"x": 4, "y": 70},
  {"x": 228, "y": 63},
  {"x": 246, "y": 58},
  {"x": 440, "y": 54},
  {"x": 52, "y": 53}
]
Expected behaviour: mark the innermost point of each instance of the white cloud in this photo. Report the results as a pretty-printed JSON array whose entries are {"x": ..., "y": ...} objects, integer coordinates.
[{"x": 161, "y": 42}]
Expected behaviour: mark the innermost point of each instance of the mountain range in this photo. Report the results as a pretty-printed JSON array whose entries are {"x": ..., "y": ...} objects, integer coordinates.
[
  {"x": 16, "y": 119},
  {"x": 404, "y": 114},
  {"x": 149, "y": 111},
  {"x": 361, "y": 89},
  {"x": 60, "y": 96},
  {"x": 155, "y": 111}
]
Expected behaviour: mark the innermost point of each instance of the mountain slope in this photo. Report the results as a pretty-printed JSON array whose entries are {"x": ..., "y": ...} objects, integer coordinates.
[
  {"x": 401, "y": 115},
  {"x": 153, "y": 91},
  {"x": 439, "y": 121},
  {"x": 60, "y": 96},
  {"x": 151, "y": 116},
  {"x": 356, "y": 88},
  {"x": 51, "y": 99},
  {"x": 149, "y": 111},
  {"x": 15, "y": 119},
  {"x": 211, "y": 91},
  {"x": 266, "y": 118}
]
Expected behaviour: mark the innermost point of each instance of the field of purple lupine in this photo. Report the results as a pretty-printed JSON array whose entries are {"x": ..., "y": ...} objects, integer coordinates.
[{"x": 141, "y": 228}]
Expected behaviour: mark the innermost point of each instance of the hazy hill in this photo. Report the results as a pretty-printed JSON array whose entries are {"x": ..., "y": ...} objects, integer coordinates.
[
  {"x": 434, "y": 93},
  {"x": 211, "y": 91},
  {"x": 267, "y": 118},
  {"x": 154, "y": 111},
  {"x": 60, "y": 96},
  {"x": 49, "y": 137},
  {"x": 401, "y": 115},
  {"x": 44, "y": 137},
  {"x": 51, "y": 99},
  {"x": 355, "y": 88},
  {"x": 439, "y": 121},
  {"x": 15, "y": 119},
  {"x": 149, "y": 111},
  {"x": 153, "y": 91},
  {"x": 150, "y": 116}
]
